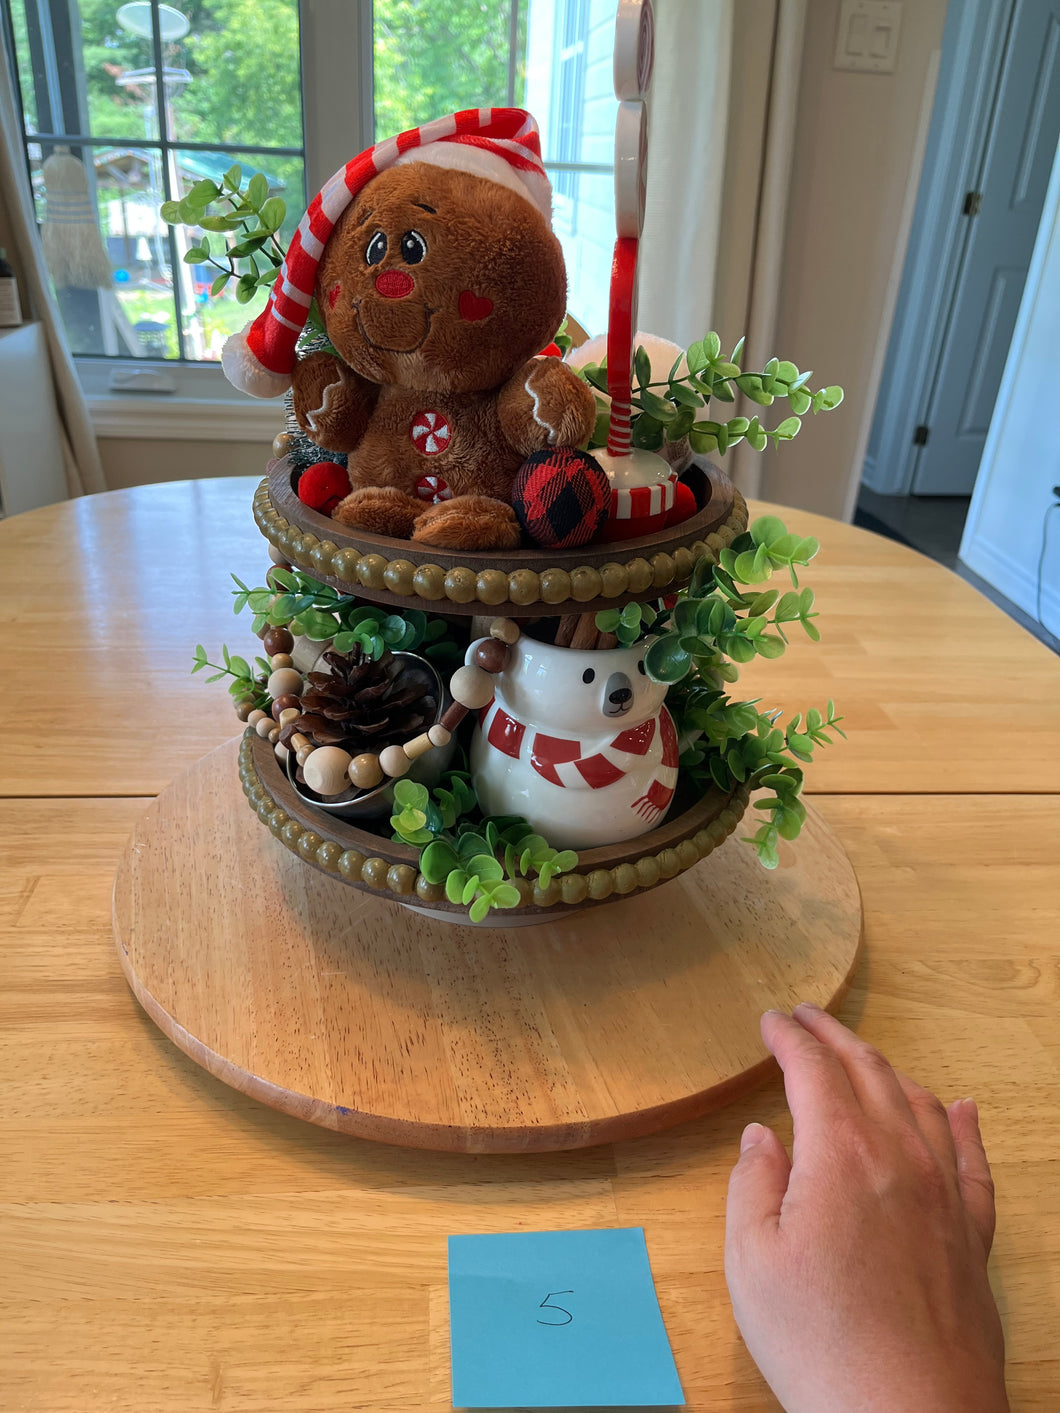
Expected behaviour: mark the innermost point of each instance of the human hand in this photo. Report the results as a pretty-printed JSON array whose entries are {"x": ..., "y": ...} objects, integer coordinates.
[{"x": 857, "y": 1270}]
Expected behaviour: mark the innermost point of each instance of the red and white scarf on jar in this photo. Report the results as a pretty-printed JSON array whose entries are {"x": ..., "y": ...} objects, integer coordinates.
[{"x": 560, "y": 761}]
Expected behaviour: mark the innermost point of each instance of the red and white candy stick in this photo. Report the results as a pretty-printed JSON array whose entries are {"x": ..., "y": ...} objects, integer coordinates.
[{"x": 634, "y": 52}]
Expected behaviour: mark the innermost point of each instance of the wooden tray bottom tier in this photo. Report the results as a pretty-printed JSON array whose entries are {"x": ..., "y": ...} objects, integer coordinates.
[{"x": 353, "y": 1012}]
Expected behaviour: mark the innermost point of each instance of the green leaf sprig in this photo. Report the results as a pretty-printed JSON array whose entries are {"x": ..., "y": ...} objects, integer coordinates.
[
  {"x": 734, "y": 742},
  {"x": 628, "y": 623},
  {"x": 421, "y": 815},
  {"x": 247, "y": 684},
  {"x": 479, "y": 863},
  {"x": 319, "y": 612},
  {"x": 667, "y": 409},
  {"x": 724, "y": 618},
  {"x": 249, "y": 213}
]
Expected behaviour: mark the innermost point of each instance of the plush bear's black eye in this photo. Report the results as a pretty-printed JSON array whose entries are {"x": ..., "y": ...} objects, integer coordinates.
[
  {"x": 640, "y": 669},
  {"x": 588, "y": 675},
  {"x": 413, "y": 247},
  {"x": 376, "y": 248}
]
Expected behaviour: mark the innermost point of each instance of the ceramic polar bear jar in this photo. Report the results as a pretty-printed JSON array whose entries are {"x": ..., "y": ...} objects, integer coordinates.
[{"x": 578, "y": 743}]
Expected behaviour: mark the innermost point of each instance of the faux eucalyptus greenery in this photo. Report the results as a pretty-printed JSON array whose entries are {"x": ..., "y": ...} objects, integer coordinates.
[
  {"x": 247, "y": 212},
  {"x": 482, "y": 864},
  {"x": 669, "y": 409},
  {"x": 726, "y": 617},
  {"x": 316, "y": 611}
]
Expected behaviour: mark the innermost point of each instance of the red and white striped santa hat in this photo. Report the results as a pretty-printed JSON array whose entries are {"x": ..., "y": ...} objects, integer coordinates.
[{"x": 501, "y": 144}]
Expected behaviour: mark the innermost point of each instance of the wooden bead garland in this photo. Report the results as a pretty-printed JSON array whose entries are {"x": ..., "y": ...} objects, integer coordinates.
[
  {"x": 278, "y": 640},
  {"x": 328, "y": 769},
  {"x": 325, "y": 770},
  {"x": 365, "y": 771},
  {"x": 282, "y": 680},
  {"x": 472, "y": 687},
  {"x": 394, "y": 762}
]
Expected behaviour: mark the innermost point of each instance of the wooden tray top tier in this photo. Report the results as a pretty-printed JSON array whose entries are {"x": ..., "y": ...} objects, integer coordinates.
[
  {"x": 377, "y": 864},
  {"x": 532, "y": 583}
]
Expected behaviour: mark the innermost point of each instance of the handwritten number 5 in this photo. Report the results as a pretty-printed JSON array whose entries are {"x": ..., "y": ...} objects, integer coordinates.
[{"x": 555, "y": 1324}]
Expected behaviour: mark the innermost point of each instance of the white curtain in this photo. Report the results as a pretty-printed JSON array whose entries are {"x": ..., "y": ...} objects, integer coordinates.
[
  {"x": 788, "y": 24},
  {"x": 18, "y": 232},
  {"x": 687, "y": 119},
  {"x": 720, "y": 151}
]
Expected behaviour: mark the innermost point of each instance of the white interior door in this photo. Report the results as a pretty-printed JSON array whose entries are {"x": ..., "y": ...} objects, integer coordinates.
[{"x": 1011, "y": 190}]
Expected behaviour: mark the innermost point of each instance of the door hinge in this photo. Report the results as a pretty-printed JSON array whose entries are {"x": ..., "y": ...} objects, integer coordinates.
[
  {"x": 920, "y": 436},
  {"x": 973, "y": 202}
]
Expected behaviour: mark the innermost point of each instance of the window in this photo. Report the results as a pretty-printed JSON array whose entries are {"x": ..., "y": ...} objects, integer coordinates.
[{"x": 127, "y": 105}]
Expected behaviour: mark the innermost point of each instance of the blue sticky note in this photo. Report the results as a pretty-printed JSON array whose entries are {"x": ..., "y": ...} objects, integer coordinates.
[{"x": 557, "y": 1319}]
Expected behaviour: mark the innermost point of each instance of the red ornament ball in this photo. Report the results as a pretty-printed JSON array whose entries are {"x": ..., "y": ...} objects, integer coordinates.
[
  {"x": 322, "y": 485},
  {"x": 684, "y": 506},
  {"x": 561, "y": 497}
]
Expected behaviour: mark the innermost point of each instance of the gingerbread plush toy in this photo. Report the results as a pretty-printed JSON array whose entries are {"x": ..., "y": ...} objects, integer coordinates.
[{"x": 438, "y": 280}]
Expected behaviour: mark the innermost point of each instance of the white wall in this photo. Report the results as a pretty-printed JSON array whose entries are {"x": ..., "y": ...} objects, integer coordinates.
[
  {"x": 1021, "y": 459},
  {"x": 853, "y": 182}
]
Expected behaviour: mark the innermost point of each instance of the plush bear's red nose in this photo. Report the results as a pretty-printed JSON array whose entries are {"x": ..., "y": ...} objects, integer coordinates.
[{"x": 394, "y": 284}]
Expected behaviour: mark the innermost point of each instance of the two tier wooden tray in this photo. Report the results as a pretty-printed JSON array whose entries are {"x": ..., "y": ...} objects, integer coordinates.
[{"x": 627, "y": 998}]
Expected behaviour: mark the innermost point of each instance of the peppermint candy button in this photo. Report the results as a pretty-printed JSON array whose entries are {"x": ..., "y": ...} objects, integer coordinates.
[
  {"x": 430, "y": 432},
  {"x": 432, "y": 489}
]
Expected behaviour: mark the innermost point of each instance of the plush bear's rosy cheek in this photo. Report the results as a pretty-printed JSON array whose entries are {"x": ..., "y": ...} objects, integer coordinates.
[
  {"x": 474, "y": 307},
  {"x": 333, "y": 294}
]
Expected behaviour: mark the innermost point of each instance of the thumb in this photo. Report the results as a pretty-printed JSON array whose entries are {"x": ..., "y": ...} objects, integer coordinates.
[
  {"x": 757, "y": 1185},
  {"x": 973, "y": 1170}
]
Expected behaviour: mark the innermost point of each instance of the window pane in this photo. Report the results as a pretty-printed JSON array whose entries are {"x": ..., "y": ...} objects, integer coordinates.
[
  {"x": 110, "y": 255},
  {"x": 106, "y": 250},
  {"x": 23, "y": 62},
  {"x": 231, "y": 73},
  {"x": 438, "y": 56},
  {"x": 583, "y": 217},
  {"x": 210, "y": 318},
  {"x": 242, "y": 79},
  {"x": 569, "y": 79}
]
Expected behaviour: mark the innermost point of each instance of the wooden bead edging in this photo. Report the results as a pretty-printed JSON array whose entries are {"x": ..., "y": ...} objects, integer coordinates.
[
  {"x": 404, "y": 880},
  {"x": 462, "y": 588}
]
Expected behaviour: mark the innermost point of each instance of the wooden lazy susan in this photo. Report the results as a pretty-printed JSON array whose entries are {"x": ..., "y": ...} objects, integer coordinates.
[{"x": 359, "y": 1014}]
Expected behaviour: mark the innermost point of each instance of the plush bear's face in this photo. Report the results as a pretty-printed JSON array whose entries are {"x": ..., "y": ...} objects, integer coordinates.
[
  {"x": 582, "y": 695},
  {"x": 439, "y": 280}
]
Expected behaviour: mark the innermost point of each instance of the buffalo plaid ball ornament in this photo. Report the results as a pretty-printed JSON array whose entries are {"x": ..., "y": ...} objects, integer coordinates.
[{"x": 561, "y": 497}]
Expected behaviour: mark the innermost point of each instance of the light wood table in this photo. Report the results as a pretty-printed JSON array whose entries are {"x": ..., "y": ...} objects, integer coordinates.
[{"x": 169, "y": 1245}]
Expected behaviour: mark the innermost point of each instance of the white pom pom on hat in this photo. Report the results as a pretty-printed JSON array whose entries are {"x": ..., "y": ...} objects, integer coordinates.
[{"x": 502, "y": 145}]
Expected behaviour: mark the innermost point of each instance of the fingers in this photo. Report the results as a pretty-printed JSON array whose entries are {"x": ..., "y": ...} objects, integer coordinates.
[
  {"x": 815, "y": 1083},
  {"x": 872, "y": 1079},
  {"x": 884, "y": 1093},
  {"x": 973, "y": 1170},
  {"x": 933, "y": 1122},
  {"x": 757, "y": 1185}
]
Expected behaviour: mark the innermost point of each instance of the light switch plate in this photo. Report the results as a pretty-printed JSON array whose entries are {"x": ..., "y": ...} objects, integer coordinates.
[{"x": 868, "y": 36}]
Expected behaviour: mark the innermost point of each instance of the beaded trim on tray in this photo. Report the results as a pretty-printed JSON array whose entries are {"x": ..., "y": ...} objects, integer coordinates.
[
  {"x": 404, "y": 881},
  {"x": 492, "y": 587}
]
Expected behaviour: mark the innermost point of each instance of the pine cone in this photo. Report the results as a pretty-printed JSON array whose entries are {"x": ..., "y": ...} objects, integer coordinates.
[{"x": 362, "y": 705}]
